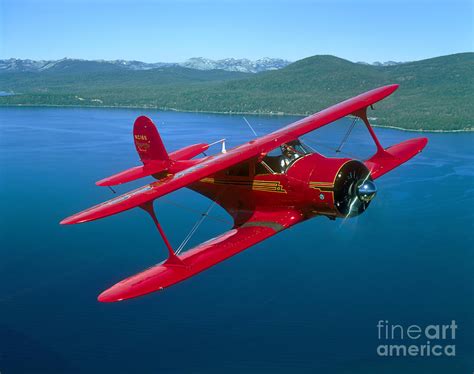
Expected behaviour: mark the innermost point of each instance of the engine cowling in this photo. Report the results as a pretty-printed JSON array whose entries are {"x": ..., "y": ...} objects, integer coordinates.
[{"x": 340, "y": 187}]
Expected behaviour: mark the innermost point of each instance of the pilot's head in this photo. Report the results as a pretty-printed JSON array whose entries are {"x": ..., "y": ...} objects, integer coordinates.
[{"x": 287, "y": 151}]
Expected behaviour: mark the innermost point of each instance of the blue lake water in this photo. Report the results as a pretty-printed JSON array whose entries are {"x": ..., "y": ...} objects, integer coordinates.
[{"x": 306, "y": 300}]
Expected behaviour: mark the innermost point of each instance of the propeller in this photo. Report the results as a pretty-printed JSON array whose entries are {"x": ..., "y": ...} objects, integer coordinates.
[
  {"x": 361, "y": 194},
  {"x": 354, "y": 189}
]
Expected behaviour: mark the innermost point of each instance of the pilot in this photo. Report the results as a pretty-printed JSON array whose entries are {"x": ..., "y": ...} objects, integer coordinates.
[{"x": 289, "y": 155}]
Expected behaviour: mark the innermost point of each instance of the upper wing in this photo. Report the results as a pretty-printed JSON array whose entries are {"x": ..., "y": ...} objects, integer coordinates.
[
  {"x": 213, "y": 164},
  {"x": 260, "y": 227},
  {"x": 324, "y": 117}
]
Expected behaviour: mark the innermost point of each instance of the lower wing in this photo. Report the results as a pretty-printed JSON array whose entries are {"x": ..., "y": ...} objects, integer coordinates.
[
  {"x": 390, "y": 158},
  {"x": 259, "y": 227}
]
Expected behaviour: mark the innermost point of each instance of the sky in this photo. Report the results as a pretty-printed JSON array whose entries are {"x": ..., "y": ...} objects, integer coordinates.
[{"x": 173, "y": 31}]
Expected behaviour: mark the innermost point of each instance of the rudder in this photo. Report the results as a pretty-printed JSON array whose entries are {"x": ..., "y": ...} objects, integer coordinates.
[{"x": 148, "y": 141}]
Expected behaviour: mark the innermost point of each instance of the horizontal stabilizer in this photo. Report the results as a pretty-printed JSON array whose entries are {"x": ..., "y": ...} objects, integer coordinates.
[
  {"x": 385, "y": 160},
  {"x": 189, "y": 152},
  {"x": 134, "y": 173}
]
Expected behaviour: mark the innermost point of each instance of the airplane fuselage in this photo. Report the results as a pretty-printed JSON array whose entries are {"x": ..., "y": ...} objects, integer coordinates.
[{"x": 312, "y": 184}]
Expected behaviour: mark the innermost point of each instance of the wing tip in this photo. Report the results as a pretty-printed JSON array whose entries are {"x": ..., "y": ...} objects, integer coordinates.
[
  {"x": 66, "y": 221},
  {"x": 390, "y": 88},
  {"x": 109, "y": 182},
  {"x": 118, "y": 293},
  {"x": 80, "y": 217},
  {"x": 105, "y": 297},
  {"x": 103, "y": 182},
  {"x": 70, "y": 221},
  {"x": 419, "y": 142},
  {"x": 423, "y": 142}
]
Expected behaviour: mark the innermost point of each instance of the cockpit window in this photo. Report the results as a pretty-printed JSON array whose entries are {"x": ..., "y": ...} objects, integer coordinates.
[{"x": 280, "y": 158}]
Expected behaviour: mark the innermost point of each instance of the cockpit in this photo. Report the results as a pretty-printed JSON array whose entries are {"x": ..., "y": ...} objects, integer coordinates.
[{"x": 281, "y": 158}]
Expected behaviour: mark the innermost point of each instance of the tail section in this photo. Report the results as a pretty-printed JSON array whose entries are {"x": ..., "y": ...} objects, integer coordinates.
[
  {"x": 154, "y": 156},
  {"x": 148, "y": 142}
]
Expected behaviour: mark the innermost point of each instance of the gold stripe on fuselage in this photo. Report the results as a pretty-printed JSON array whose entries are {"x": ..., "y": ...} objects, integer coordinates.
[
  {"x": 322, "y": 186},
  {"x": 254, "y": 184}
]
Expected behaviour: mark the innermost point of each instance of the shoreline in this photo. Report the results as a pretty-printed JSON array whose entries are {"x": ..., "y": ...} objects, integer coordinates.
[{"x": 217, "y": 112}]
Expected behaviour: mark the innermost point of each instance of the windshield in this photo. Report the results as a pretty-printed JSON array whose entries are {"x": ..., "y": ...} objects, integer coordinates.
[{"x": 280, "y": 159}]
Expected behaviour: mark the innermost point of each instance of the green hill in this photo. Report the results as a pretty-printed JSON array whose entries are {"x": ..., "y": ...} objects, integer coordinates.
[{"x": 434, "y": 94}]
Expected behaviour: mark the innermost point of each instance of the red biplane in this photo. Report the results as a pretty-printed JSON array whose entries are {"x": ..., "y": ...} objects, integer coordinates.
[{"x": 267, "y": 185}]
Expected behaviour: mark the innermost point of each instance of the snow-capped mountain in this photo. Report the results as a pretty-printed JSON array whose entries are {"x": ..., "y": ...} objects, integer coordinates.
[
  {"x": 232, "y": 64},
  {"x": 386, "y": 63},
  {"x": 199, "y": 63},
  {"x": 18, "y": 65},
  {"x": 14, "y": 64},
  {"x": 138, "y": 65},
  {"x": 378, "y": 63}
]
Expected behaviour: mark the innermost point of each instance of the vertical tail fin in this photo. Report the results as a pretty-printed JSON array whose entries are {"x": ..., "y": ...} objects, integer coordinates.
[
  {"x": 148, "y": 142},
  {"x": 155, "y": 158}
]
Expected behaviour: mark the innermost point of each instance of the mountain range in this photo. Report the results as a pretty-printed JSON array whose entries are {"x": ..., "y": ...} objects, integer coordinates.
[
  {"x": 242, "y": 65},
  {"x": 229, "y": 64},
  {"x": 435, "y": 94}
]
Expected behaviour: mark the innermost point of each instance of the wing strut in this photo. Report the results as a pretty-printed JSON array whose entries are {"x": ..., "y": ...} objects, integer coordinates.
[
  {"x": 172, "y": 258},
  {"x": 362, "y": 114},
  {"x": 195, "y": 227},
  {"x": 344, "y": 140}
]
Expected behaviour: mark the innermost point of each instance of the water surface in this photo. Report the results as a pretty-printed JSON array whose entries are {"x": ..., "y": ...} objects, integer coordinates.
[{"x": 306, "y": 300}]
